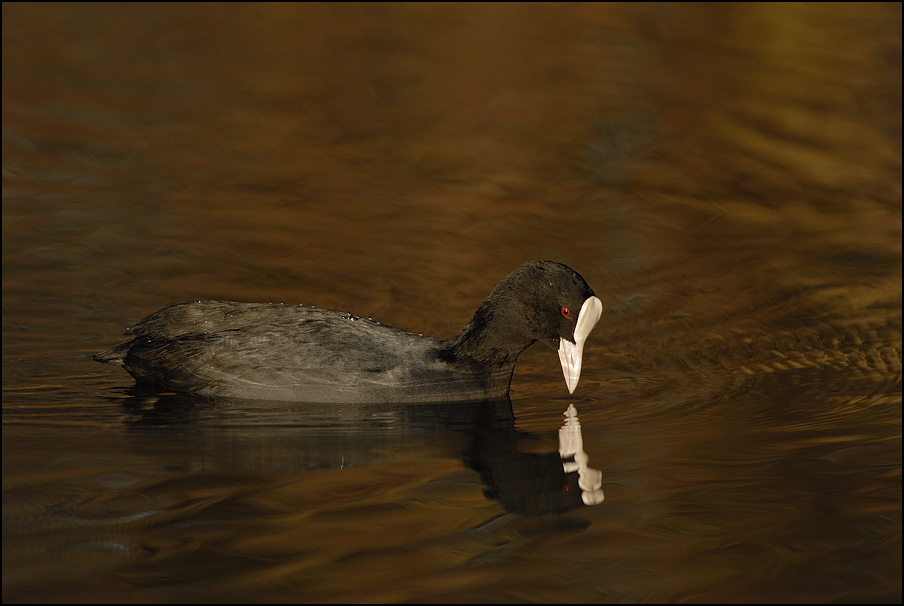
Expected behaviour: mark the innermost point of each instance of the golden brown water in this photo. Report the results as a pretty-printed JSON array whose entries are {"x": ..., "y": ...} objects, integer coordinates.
[{"x": 727, "y": 177}]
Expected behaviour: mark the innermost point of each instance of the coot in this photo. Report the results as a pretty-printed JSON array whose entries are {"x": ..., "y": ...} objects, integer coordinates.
[{"x": 297, "y": 353}]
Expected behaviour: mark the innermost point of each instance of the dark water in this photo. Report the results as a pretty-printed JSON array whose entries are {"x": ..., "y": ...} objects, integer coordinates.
[{"x": 726, "y": 177}]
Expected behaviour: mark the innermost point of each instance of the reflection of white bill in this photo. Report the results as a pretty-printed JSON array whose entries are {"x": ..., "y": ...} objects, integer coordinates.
[{"x": 571, "y": 444}]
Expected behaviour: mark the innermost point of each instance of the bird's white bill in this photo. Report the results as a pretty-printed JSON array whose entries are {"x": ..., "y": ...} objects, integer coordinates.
[{"x": 570, "y": 354}]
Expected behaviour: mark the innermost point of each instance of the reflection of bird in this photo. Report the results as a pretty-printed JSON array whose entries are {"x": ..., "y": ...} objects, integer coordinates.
[
  {"x": 283, "y": 352},
  {"x": 536, "y": 484},
  {"x": 571, "y": 444}
]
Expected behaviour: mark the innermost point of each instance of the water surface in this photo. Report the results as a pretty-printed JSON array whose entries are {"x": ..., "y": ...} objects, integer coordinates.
[{"x": 726, "y": 177}]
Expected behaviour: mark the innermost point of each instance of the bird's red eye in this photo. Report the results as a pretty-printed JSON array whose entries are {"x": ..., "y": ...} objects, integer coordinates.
[{"x": 566, "y": 312}]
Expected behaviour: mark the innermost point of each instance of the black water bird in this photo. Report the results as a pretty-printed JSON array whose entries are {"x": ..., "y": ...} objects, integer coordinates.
[{"x": 296, "y": 353}]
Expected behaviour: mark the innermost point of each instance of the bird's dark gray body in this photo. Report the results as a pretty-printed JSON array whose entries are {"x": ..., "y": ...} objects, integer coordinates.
[{"x": 285, "y": 352}]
